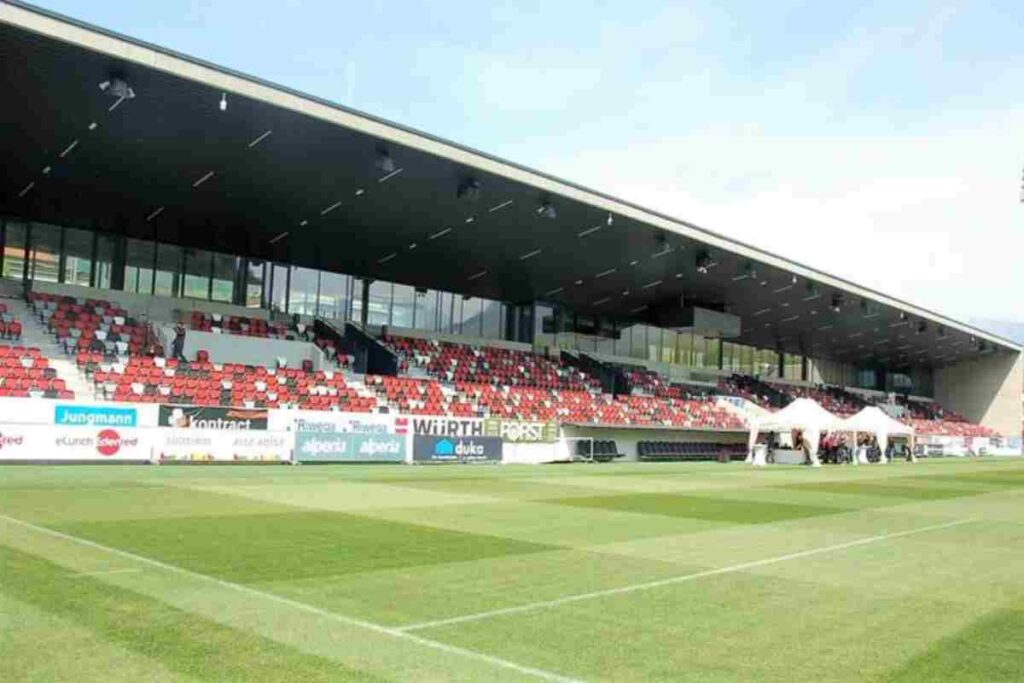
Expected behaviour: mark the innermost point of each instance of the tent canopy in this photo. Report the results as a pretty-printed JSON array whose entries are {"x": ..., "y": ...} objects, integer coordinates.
[
  {"x": 874, "y": 421},
  {"x": 804, "y": 414}
]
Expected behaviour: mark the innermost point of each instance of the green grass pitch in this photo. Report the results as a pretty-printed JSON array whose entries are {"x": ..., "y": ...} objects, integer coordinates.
[{"x": 621, "y": 572}]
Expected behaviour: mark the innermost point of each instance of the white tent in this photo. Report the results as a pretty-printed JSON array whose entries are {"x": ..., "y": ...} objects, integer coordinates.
[
  {"x": 802, "y": 414},
  {"x": 873, "y": 420}
]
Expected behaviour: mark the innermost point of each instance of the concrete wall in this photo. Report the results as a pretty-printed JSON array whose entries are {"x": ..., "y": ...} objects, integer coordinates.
[
  {"x": 986, "y": 390},
  {"x": 230, "y": 348}
]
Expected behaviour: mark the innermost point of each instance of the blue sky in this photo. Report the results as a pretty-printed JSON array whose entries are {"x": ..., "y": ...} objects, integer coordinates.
[{"x": 880, "y": 141}]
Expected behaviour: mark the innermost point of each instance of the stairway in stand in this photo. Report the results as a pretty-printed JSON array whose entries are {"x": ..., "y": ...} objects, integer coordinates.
[{"x": 34, "y": 334}]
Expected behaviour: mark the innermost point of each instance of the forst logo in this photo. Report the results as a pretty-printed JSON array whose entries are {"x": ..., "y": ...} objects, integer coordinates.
[{"x": 109, "y": 442}]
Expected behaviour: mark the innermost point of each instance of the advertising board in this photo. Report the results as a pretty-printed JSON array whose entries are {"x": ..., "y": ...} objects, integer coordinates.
[
  {"x": 212, "y": 417},
  {"x": 220, "y": 445},
  {"x": 326, "y": 422},
  {"x": 342, "y": 447},
  {"x": 43, "y": 443},
  {"x": 447, "y": 426},
  {"x": 456, "y": 449},
  {"x": 521, "y": 431},
  {"x": 95, "y": 415}
]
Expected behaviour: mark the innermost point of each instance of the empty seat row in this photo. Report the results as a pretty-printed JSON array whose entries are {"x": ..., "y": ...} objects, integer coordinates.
[
  {"x": 601, "y": 450},
  {"x": 689, "y": 450}
]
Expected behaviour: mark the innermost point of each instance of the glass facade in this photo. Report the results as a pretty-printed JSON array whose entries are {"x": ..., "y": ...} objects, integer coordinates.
[
  {"x": 254, "y": 284},
  {"x": 77, "y": 257},
  {"x": 223, "y": 278},
  {"x": 45, "y": 250},
  {"x": 139, "y": 258},
  {"x": 168, "y": 275},
  {"x": 103, "y": 271},
  {"x": 15, "y": 240},
  {"x": 198, "y": 264},
  {"x": 305, "y": 288},
  {"x": 52, "y": 253}
]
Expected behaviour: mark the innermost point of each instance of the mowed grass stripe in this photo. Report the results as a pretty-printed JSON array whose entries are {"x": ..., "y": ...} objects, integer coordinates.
[
  {"x": 299, "y": 545},
  {"x": 702, "y": 507},
  {"x": 127, "y": 502},
  {"x": 887, "y": 488},
  {"x": 182, "y": 642},
  {"x": 989, "y": 649},
  {"x": 394, "y": 653}
]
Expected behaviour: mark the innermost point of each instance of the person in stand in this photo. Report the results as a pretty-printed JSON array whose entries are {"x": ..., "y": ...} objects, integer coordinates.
[{"x": 178, "y": 346}]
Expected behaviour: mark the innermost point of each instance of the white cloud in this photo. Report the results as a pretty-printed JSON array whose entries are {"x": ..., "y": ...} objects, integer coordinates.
[{"x": 932, "y": 218}]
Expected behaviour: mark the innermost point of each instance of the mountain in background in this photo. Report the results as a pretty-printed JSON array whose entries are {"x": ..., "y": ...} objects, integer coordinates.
[{"x": 1004, "y": 328}]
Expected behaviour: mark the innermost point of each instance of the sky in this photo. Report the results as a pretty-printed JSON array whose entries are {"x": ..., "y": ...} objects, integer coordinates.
[{"x": 882, "y": 141}]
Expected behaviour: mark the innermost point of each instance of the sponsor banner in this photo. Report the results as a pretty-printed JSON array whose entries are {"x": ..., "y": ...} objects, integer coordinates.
[
  {"x": 220, "y": 445},
  {"x": 36, "y": 442},
  {"x": 518, "y": 431},
  {"x": 323, "y": 422},
  {"x": 196, "y": 417},
  {"x": 341, "y": 447},
  {"x": 95, "y": 416},
  {"x": 447, "y": 426},
  {"x": 456, "y": 449}
]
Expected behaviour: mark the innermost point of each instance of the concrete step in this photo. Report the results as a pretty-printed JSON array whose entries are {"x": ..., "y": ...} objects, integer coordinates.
[{"x": 34, "y": 334}]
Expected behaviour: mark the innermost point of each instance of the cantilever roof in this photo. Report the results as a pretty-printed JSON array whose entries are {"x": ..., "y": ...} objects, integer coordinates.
[{"x": 286, "y": 176}]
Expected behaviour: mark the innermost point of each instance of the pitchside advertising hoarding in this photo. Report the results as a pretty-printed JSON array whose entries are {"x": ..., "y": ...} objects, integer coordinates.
[
  {"x": 223, "y": 445},
  {"x": 37, "y": 442},
  {"x": 519, "y": 431},
  {"x": 348, "y": 447},
  {"x": 95, "y": 416},
  {"x": 349, "y": 437},
  {"x": 322, "y": 422},
  {"x": 456, "y": 449},
  {"x": 212, "y": 417}
]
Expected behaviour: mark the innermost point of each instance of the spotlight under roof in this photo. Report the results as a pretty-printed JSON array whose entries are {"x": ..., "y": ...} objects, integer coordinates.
[{"x": 384, "y": 162}]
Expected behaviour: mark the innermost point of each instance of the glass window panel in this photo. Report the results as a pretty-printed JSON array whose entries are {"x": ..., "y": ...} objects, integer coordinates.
[
  {"x": 493, "y": 319},
  {"x": 105, "y": 247},
  {"x": 305, "y": 286},
  {"x": 426, "y": 310},
  {"x": 471, "y": 316},
  {"x": 404, "y": 298},
  {"x": 225, "y": 268},
  {"x": 280, "y": 287},
  {"x": 138, "y": 266},
  {"x": 197, "y": 273},
  {"x": 699, "y": 352},
  {"x": 379, "y": 305},
  {"x": 669, "y": 340},
  {"x": 622, "y": 344},
  {"x": 447, "y": 312},
  {"x": 638, "y": 346},
  {"x": 333, "y": 298},
  {"x": 77, "y": 256},
  {"x": 14, "y": 251},
  {"x": 45, "y": 252},
  {"x": 168, "y": 270},
  {"x": 254, "y": 284}
]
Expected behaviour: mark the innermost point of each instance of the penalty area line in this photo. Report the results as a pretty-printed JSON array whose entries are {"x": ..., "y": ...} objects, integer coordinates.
[
  {"x": 301, "y": 606},
  {"x": 580, "y": 597}
]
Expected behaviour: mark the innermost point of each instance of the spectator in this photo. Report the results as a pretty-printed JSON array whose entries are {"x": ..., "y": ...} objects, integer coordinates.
[{"x": 178, "y": 346}]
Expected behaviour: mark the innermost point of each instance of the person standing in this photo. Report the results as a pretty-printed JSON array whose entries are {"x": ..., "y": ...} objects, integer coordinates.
[{"x": 178, "y": 346}]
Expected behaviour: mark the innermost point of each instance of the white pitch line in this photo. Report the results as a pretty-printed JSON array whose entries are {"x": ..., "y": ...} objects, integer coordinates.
[
  {"x": 340, "y": 618},
  {"x": 106, "y": 572},
  {"x": 579, "y": 597}
]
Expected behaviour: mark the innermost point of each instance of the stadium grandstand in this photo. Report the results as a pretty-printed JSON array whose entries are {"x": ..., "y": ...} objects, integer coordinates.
[{"x": 177, "y": 234}]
